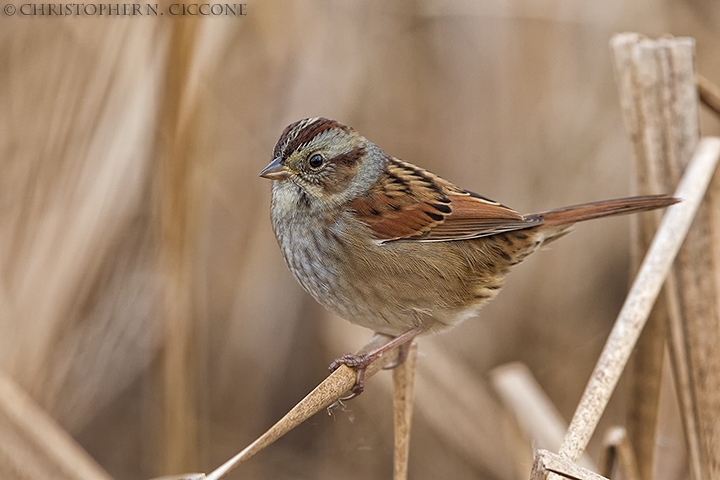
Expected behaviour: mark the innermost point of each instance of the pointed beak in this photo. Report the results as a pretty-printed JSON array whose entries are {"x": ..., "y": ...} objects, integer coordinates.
[{"x": 275, "y": 170}]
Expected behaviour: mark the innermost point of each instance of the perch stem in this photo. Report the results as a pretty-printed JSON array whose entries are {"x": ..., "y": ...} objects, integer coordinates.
[{"x": 328, "y": 392}]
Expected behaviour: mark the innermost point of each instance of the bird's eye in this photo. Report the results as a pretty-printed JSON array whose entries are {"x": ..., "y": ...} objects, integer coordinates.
[{"x": 316, "y": 161}]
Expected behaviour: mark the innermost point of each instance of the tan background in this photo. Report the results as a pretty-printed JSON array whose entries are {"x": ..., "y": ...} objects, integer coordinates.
[{"x": 514, "y": 100}]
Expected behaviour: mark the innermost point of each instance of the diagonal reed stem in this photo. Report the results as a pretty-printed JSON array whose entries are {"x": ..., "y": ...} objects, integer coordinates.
[{"x": 645, "y": 289}]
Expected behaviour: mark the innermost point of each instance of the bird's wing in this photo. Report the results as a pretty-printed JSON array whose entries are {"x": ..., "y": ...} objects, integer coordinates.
[{"x": 408, "y": 203}]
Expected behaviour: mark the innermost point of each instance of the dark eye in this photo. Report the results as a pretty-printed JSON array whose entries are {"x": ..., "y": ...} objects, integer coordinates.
[{"x": 316, "y": 161}]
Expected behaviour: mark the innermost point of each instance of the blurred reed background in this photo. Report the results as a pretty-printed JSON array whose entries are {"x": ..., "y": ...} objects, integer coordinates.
[{"x": 144, "y": 302}]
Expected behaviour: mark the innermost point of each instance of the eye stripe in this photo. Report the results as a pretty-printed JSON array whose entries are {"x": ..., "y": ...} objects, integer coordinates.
[{"x": 349, "y": 158}]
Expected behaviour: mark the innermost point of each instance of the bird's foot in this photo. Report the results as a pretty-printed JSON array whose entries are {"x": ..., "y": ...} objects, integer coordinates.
[
  {"x": 358, "y": 362},
  {"x": 352, "y": 360},
  {"x": 361, "y": 361}
]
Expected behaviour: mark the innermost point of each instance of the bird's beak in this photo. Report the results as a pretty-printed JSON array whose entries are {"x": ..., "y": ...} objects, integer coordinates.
[{"x": 275, "y": 170}]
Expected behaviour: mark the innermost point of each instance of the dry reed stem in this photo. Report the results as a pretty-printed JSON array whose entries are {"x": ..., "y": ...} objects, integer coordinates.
[
  {"x": 645, "y": 387},
  {"x": 325, "y": 394},
  {"x": 179, "y": 447},
  {"x": 694, "y": 326},
  {"x": 647, "y": 362},
  {"x": 709, "y": 93},
  {"x": 663, "y": 96},
  {"x": 694, "y": 306},
  {"x": 549, "y": 465},
  {"x": 72, "y": 185},
  {"x": 32, "y": 445},
  {"x": 403, "y": 400},
  {"x": 617, "y": 448},
  {"x": 644, "y": 94},
  {"x": 538, "y": 418},
  {"x": 644, "y": 291},
  {"x": 456, "y": 403}
]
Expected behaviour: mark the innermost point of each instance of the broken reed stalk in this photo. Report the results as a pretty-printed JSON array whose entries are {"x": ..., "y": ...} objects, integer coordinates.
[
  {"x": 403, "y": 401},
  {"x": 324, "y": 395},
  {"x": 657, "y": 90},
  {"x": 548, "y": 465},
  {"x": 644, "y": 291},
  {"x": 645, "y": 387},
  {"x": 659, "y": 93}
]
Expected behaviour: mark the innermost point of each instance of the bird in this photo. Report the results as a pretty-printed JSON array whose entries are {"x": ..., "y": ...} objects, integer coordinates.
[{"x": 392, "y": 247}]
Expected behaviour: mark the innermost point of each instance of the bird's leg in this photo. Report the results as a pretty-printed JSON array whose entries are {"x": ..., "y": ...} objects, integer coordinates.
[
  {"x": 403, "y": 352},
  {"x": 361, "y": 361}
]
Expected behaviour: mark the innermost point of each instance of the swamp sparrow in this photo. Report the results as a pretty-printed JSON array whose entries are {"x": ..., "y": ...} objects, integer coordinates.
[{"x": 392, "y": 247}]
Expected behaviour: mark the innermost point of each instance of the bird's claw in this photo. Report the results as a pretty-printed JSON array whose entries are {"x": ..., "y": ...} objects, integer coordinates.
[
  {"x": 359, "y": 363},
  {"x": 330, "y": 409},
  {"x": 352, "y": 360}
]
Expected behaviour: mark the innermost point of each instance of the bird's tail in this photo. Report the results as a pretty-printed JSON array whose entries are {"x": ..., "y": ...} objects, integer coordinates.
[
  {"x": 566, "y": 216},
  {"x": 556, "y": 223}
]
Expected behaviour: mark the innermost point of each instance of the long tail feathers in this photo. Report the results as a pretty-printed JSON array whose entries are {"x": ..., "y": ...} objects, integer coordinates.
[{"x": 587, "y": 211}]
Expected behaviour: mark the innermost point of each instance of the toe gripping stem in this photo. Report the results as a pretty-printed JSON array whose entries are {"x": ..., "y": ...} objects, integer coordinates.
[{"x": 361, "y": 361}]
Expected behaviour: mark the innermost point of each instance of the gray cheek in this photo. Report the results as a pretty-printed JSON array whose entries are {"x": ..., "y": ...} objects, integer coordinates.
[
  {"x": 371, "y": 167},
  {"x": 362, "y": 178}
]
